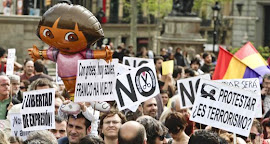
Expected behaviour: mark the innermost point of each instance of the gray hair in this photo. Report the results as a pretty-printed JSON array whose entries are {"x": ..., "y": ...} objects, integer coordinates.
[{"x": 41, "y": 137}]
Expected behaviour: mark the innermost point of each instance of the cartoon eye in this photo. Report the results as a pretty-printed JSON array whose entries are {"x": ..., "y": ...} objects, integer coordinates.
[
  {"x": 71, "y": 36},
  {"x": 48, "y": 33}
]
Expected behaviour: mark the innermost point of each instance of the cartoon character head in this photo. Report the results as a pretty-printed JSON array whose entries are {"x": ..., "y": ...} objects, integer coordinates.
[{"x": 69, "y": 28}]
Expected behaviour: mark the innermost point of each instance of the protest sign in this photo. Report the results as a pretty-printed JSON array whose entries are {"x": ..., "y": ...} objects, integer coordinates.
[
  {"x": 95, "y": 80},
  {"x": 37, "y": 110},
  {"x": 135, "y": 62},
  {"x": 121, "y": 69},
  {"x": 251, "y": 84},
  {"x": 136, "y": 86},
  {"x": 10, "y": 61},
  {"x": 58, "y": 79},
  {"x": 225, "y": 107},
  {"x": 16, "y": 126},
  {"x": 187, "y": 89},
  {"x": 167, "y": 67}
]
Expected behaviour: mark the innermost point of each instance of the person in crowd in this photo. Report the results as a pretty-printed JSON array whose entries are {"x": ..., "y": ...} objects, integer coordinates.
[
  {"x": 164, "y": 54},
  {"x": 175, "y": 107},
  {"x": 6, "y": 102},
  {"x": 165, "y": 98},
  {"x": 91, "y": 139},
  {"x": 178, "y": 73},
  {"x": 266, "y": 93},
  {"x": 189, "y": 73},
  {"x": 119, "y": 53},
  {"x": 150, "y": 107},
  {"x": 60, "y": 127},
  {"x": 132, "y": 132},
  {"x": 256, "y": 134},
  {"x": 131, "y": 51},
  {"x": 195, "y": 65},
  {"x": 110, "y": 124},
  {"x": 179, "y": 57},
  {"x": 41, "y": 83},
  {"x": 40, "y": 137},
  {"x": 15, "y": 87},
  {"x": 176, "y": 123},
  {"x": 158, "y": 60},
  {"x": 204, "y": 137},
  {"x": 28, "y": 70},
  {"x": 207, "y": 62},
  {"x": 15, "y": 140},
  {"x": 228, "y": 137},
  {"x": 39, "y": 68},
  {"x": 155, "y": 130},
  {"x": 77, "y": 128},
  {"x": 3, "y": 137},
  {"x": 3, "y": 61},
  {"x": 266, "y": 127},
  {"x": 143, "y": 53},
  {"x": 58, "y": 102},
  {"x": 24, "y": 85}
]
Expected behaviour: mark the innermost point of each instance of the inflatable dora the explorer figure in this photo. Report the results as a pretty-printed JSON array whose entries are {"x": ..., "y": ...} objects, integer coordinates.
[{"x": 69, "y": 30}]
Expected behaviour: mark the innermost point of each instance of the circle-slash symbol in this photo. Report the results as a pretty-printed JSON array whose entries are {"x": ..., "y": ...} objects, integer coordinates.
[{"x": 145, "y": 81}]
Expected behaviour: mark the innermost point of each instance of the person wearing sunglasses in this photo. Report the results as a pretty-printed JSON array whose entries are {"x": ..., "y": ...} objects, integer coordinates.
[
  {"x": 176, "y": 123},
  {"x": 256, "y": 134}
]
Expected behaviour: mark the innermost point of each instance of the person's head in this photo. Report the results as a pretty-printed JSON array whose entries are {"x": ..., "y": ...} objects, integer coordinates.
[
  {"x": 15, "y": 140},
  {"x": 60, "y": 127},
  {"x": 158, "y": 60},
  {"x": 40, "y": 137},
  {"x": 163, "y": 51},
  {"x": 204, "y": 137},
  {"x": 77, "y": 128},
  {"x": 165, "y": 97},
  {"x": 91, "y": 139},
  {"x": 176, "y": 123},
  {"x": 132, "y": 132},
  {"x": 4, "y": 87},
  {"x": 266, "y": 83},
  {"x": 195, "y": 64},
  {"x": 150, "y": 107},
  {"x": 155, "y": 130},
  {"x": 256, "y": 133},
  {"x": 189, "y": 73},
  {"x": 28, "y": 67},
  {"x": 2, "y": 53},
  {"x": 38, "y": 66},
  {"x": 266, "y": 127},
  {"x": 15, "y": 84},
  {"x": 69, "y": 28},
  {"x": 24, "y": 85},
  {"x": 207, "y": 58},
  {"x": 110, "y": 123},
  {"x": 175, "y": 106},
  {"x": 41, "y": 83}
]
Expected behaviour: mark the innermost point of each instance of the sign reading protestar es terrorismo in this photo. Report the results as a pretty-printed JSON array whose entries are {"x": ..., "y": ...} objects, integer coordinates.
[{"x": 225, "y": 107}]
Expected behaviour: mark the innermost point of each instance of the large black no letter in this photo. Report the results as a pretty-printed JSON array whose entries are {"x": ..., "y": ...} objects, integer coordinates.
[
  {"x": 183, "y": 90},
  {"x": 131, "y": 95}
]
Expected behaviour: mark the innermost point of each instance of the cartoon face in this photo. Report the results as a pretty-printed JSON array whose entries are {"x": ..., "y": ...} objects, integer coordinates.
[{"x": 66, "y": 40}]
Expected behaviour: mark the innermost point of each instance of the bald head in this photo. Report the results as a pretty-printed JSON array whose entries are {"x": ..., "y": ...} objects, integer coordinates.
[{"x": 132, "y": 132}]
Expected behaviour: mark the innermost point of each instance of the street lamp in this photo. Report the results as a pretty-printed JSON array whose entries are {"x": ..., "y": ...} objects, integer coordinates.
[{"x": 216, "y": 9}]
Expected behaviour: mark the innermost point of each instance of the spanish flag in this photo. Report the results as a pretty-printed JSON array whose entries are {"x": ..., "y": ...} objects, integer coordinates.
[
  {"x": 230, "y": 67},
  {"x": 252, "y": 58}
]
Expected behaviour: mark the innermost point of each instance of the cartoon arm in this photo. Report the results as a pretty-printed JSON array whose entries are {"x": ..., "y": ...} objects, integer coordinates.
[
  {"x": 105, "y": 54},
  {"x": 36, "y": 54}
]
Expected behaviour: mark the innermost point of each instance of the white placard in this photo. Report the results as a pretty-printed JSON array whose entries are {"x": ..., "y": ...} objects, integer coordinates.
[
  {"x": 136, "y": 86},
  {"x": 135, "y": 62},
  {"x": 10, "y": 61},
  {"x": 16, "y": 126},
  {"x": 38, "y": 110},
  {"x": 251, "y": 84},
  {"x": 95, "y": 80},
  {"x": 58, "y": 79},
  {"x": 225, "y": 107},
  {"x": 187, "y": 89},
  {"x": 121, "y": 69}
]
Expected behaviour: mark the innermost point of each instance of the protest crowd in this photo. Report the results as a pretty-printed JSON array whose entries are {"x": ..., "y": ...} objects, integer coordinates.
[{"x": 132, "y": 98}]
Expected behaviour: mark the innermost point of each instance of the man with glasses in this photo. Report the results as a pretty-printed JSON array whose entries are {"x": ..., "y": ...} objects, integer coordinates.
[
  {"x": 256, "y": 134},
  {"x": 110, "y": 124},
  {"x": 155, "y": 130},
  {"x": 15, "y": 87}
]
